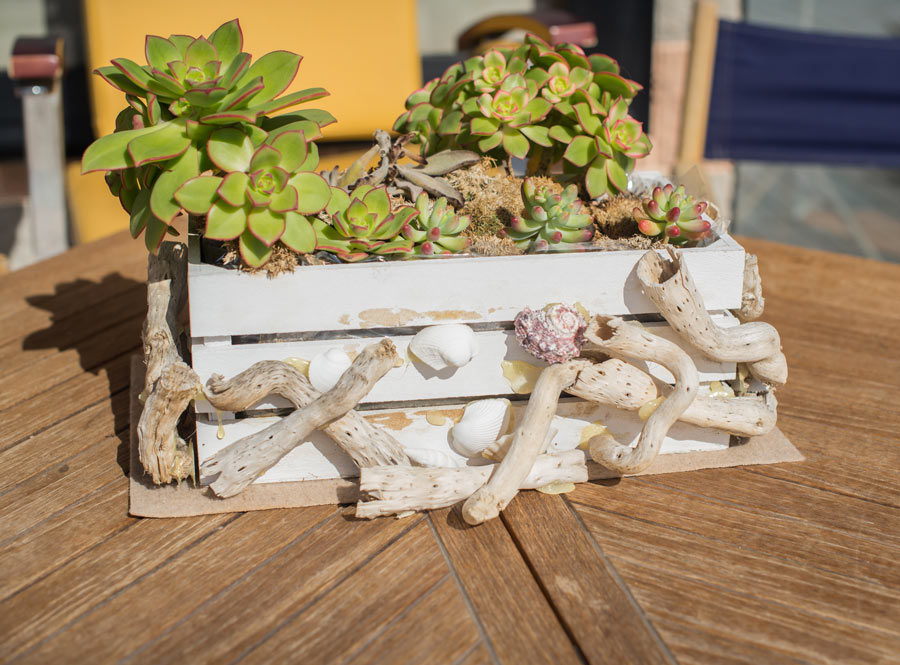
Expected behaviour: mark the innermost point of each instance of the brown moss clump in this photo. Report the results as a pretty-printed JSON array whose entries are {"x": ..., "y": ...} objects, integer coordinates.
[
  {"x": 492, "y": 197},
  {"x": 282, "y": 260},
  {"x": 613, "y": 217},
  {"x": 494, "y": 246}
]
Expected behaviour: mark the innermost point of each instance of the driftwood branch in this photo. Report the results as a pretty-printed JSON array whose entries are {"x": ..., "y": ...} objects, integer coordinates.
[
  {"x": 668, "y": 284},
  {"x": 752, "y": 301},
  {"x": 365, "y": 443},
  {"x": 170, "y": 384},
  {"x": 242, "y": 462},
  {"x": 619, "y": 338},
  {"x": 396, "y": 490},
  {"x": 528, "y": 439},
  {"x": 624, "y": 386}
]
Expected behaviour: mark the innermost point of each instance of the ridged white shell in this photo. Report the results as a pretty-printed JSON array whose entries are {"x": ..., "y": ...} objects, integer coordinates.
[
  {"x": 482, "y": 423},
  {"x": 326, "y": 368},
  {"x": 429, "y": 457},
  {"x": 447, "y": 345}
]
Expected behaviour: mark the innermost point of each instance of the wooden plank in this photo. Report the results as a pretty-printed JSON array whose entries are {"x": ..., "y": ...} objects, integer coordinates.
[
  {"x": 71, "y": 590},
  {"x": 414, "y": 381},
  {"x": 518, "y": 622},
  {"x": 585, "y": 590},
  {"x": 462, "y": 290},
  {"x": 774, "y": 574},
  {"x": 242, "y": 596},
  {"x": 477, "y": 656},
  {"x": 319, "y": 457},
  {"x": 438, "y": 628},
  {"x": 371, "y": 599}
]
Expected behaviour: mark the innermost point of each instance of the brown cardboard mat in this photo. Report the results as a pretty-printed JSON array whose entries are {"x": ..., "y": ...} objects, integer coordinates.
[{"x": 149, "y": 500}]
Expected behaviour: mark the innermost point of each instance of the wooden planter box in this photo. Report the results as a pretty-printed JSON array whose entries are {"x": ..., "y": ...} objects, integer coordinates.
[{"x": 238, "y": 318}]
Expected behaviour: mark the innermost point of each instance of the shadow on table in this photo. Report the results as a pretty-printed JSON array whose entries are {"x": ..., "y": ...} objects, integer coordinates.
[{"x": 100, "y": 320}]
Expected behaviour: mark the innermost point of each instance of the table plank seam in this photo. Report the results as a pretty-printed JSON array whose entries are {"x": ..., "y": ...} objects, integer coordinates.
[
  {"x": 614, "y": 573},
  {"x": 772, "y": 514},
  {"x": 327, "y": 590},
  {"x": 768, "y": 601},
  {"x": 792, "y": 562},
  {"x": 194, "y": 543},
  {"x": 462, "y": 590},
  {"x": 374, "y": 637},
  {"x": 761, "y": 472},
  {"x": 303, "y": 536},
  {"x": 467, "y": 653}
]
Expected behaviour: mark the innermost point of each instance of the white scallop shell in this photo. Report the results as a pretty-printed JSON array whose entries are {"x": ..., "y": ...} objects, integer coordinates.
[
  {"x": 482, "y": 423},
  {"x": 430, "y": 457},
  {"x": 447, "y": 345},
  {"x": 326, "y": 368}
]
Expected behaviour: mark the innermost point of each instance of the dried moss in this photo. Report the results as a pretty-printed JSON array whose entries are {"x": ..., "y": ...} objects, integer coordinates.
[
  {"x": 492, "y": 197},
  {"x": 494, "y": 246},
  {"x": 613, "y": 217}
]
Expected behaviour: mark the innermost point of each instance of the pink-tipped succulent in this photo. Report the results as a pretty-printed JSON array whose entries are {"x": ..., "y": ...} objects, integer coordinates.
[
  {"x": 672, "y": 214},
  {"x": 552, "y": 222},
  {"x": 554, "y": 334},
  {"x": 363, "y": 223},
  {"x": 436, "y": 227}
]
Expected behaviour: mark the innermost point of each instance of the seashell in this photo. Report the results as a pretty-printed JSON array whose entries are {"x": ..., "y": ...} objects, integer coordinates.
[
  {"x": 429, "y": 457},
  {"x": 482, "y": 423},
  {"x": 554, "y": 334},
  {"x": 447, "y": 345},
  {"x": 326, "y": 368}
]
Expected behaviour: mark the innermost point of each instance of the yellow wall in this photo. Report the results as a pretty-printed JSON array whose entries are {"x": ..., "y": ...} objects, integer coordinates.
[{"x": 364, "y": 52}]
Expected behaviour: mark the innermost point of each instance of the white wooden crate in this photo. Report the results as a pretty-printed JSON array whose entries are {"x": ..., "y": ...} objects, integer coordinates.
[{"x": 235, "y": 316}]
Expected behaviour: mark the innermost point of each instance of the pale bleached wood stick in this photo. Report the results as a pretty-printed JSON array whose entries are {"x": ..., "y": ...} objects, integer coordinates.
[
  {"x": 240, "y": 463},
  {"x": 668, "y": 284},
  {"x": 624, "y": 386},
  {"x": 528, "y": 438},
  {"x": 365, "y": 443},
  {"x": 397, "y": 490},
  {"x": 752, "y": 301},
  {"x": 617, "y": 337},
  {"x": 169, "y": 384}
]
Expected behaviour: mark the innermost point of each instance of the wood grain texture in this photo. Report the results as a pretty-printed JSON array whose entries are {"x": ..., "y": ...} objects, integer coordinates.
[
  {"x": 518, "y": 622},
  {"x": 592, "y": 603}
]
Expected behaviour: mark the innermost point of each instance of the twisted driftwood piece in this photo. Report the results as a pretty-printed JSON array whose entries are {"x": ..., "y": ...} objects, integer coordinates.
[
  {"x": 240, "y": 463},
  {"x": 752, "y": 301},
  {"x": 365, "y": 443},
  {"x": 616, "y": 337},
  {"x": 529, "y": 437},
  {"x": 170, "y": 384},
  {"x": 396, "y": 490},
  {"x": 668, "y": 284},
  {"x": 624, "y": 386}
]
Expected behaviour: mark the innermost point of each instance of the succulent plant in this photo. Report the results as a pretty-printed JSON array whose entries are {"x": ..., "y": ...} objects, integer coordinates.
[
  {"x": 189, "y": 89},
  {"x": 363, "y": 223},
  {"x": 548, "y": 103},
  {"x": 436, "y": 227},
  {"x": 264, "y": 197},
  {"x": 672, "y": 213},
  {"x": 552, "y": 221}
]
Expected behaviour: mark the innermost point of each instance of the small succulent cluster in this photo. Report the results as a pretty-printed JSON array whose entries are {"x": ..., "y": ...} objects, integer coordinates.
[
  {"x": 547, "y": 103},
  {"x": 200, "y": 105},
  {"x": 554, "y": 334},
  {"x": 672, "y": 213},
  {"x": 436, "y": 228},
  {"x": 552, "y": 221}
]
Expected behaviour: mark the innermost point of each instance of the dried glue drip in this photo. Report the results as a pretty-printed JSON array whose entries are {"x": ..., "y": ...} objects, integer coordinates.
[
  {"x": 719, "y": 389},
  {"x": 595, "y": 428},
  {"x": 435, "y": 418},
  {"x": 142, "y": 396},
  {"x": 557, "y": 487},
  {"x": 648, "y": 408},
  {"x": 521, "y": 375},
  {"x": 220, "y": 433},
  {"x": 299, "y": 364},
  {"x": 399, "y": 362}
]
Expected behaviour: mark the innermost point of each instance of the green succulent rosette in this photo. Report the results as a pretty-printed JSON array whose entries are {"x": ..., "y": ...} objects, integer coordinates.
[{"x": 435, "y": 229}]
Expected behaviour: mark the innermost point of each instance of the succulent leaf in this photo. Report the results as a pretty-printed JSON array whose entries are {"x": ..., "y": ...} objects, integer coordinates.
[{"x": 672, "y": 213}]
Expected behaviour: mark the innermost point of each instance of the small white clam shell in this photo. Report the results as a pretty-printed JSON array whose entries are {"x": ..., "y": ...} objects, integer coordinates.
[
  {"x": 482, "y": 423},
  {"x": 447, "y": 345},
  {"x": 326, "y": 368},
  {"x": 430, "y": 457}
]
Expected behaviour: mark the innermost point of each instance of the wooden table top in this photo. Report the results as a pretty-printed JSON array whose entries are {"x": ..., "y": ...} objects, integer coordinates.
[{"x": 792, "y": 563}]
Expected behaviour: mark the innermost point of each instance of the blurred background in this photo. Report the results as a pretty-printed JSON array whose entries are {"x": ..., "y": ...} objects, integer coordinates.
[{"x": 371, "y": 54}]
